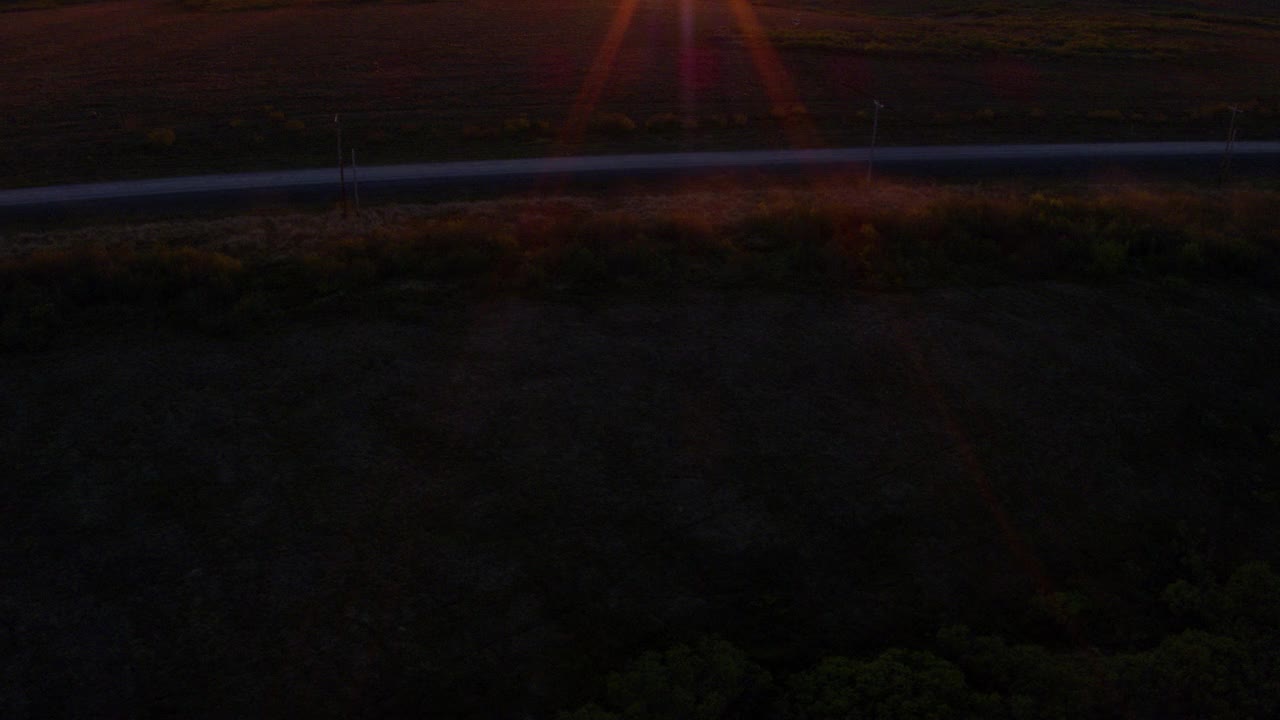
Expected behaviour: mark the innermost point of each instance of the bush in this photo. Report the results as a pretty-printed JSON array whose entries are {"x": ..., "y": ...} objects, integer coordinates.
[
  {"x": 709, "y": 680},
  {"x": 614, "y": 124},
  {"x": 715, "y": 122},
  {"x": 789, "y": 114},
  {"x": 898, "y": 685},
  {"x": 1029, "y": 680},
  {"x": 517, "y": 125},
  {"x": 1193, "y": 674},
  {"x": 161, "y": 137},
  {"x": 479, "y": 132},
  {"x": 663, "y": 123},
  {"x": 793, "y": 239},
  {"x": 1109, "y": 115}
]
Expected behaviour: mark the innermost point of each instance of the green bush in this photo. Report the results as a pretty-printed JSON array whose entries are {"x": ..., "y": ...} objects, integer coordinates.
[
  {"x": 1025, "y": 681},
  {"x": 897, "y": 685},
  {"x": 517, "y": 125},
  {"x": 613, "y": 124},
  {"x": 663, "y": 123},
  {"x": 708, "y": 680},
  {"x": 794, "y": 240},
  {"x": 1193, "y": 674},
  {"x": 161, "y": 137},
  {"x": 1109, "y": 115}
]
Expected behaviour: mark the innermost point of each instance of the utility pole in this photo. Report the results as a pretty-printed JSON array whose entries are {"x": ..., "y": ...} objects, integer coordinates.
[
  {"x": 342, "y": 173},
  {"x": 355, "y": 181},
  {"x": 1231, "y": 145},
  {"x": 875, "y": 126}
]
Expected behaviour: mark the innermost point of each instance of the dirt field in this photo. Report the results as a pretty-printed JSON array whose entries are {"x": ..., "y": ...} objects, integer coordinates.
[
  {"x": 477, "y": 510},
  {"x": 86, "y": 85}
]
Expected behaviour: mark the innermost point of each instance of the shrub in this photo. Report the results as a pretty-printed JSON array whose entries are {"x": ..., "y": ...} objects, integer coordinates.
[
  {"x": 161, "y": 137},
  {"x": 663, "y": 123},
  {"x": 899, "y": 684},
  {"x": 1110, "y": 115},
  {"x": 612, "y": 124},
  {"x": 1031, "y": 681},
  {"x": 1193, "y": 674},
  {"x": 689, "y": 236},
  {"x": 516, "y": 125},
  {"x": 786, "y": 114},
  {"x": 793, "y": 239},
  {"x": 706, "y": 681},
  {"x": 715, "y": 121},
  {"x": 465, "y": 249},
  {"x": 479, "y": 132}
]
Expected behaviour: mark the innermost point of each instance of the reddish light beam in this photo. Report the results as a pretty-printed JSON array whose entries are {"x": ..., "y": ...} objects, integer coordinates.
[
  {"x": 588, "y": 97},
  {"x": 777, "y": 81}
]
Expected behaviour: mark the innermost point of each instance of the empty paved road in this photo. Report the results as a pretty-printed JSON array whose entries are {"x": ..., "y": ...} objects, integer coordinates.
[{"x": 1065, "y": 159}]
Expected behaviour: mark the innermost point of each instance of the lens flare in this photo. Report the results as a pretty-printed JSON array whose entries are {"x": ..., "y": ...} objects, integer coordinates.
[
  {"x": 593, "y": 86},
  {"x": 777, "y": 81}
]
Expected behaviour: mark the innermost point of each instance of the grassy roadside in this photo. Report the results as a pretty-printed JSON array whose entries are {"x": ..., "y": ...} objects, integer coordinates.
[
  {"x": 834, "y": 238},
  {"x": 266, "y": 138}
]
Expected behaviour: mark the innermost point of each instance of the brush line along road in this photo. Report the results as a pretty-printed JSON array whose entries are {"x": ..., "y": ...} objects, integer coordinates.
[{"x": 1068, "y": 160}]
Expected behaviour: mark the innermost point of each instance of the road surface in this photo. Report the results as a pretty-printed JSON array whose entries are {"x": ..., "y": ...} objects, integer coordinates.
[{"x": 1078, "y": 160}]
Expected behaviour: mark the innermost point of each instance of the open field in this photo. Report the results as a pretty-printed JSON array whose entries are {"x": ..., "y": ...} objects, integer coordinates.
[
  {"x": 728, "y": 450},
  {"x": 126, "y": 89}
]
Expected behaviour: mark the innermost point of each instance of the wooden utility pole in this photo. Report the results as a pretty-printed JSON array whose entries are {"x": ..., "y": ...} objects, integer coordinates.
[
  {"x": 355, "y": 181},
  {"x": 875, "y": 126},
  {"x": 1231, "y": 145},
  {"x": 342, "y": 173}
]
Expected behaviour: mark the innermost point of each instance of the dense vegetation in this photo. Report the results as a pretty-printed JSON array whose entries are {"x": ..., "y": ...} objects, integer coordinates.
[
  {"x": 217, "y": 507},
  {"x": 904, "y": 452},
  {"x": 799, "y": 241},
  {"x": 1220, "y": 660}
]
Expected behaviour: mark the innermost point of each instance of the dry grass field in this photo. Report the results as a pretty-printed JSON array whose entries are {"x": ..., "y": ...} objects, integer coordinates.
[
  {"x": 732, "y": 450},
  {"x": 133, "y": 88}
]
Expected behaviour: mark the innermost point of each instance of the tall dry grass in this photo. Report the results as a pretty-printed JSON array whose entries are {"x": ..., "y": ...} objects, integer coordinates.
[{"x": 234, "y": 274}]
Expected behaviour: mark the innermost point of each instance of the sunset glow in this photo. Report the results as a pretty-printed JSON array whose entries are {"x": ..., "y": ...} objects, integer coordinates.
[{"x": 773, "y": 77}]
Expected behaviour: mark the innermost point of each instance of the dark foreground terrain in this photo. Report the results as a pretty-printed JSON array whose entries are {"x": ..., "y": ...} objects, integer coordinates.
[{"x": 479, "y": 509}]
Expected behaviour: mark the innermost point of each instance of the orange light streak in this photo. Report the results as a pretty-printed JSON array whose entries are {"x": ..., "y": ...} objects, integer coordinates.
[
  {"x": 1014, "y": 541},
  {"x": 777, "y": 81},
  {"x": 688, "y": 98},
  {"x": 584, "y": 104}
]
